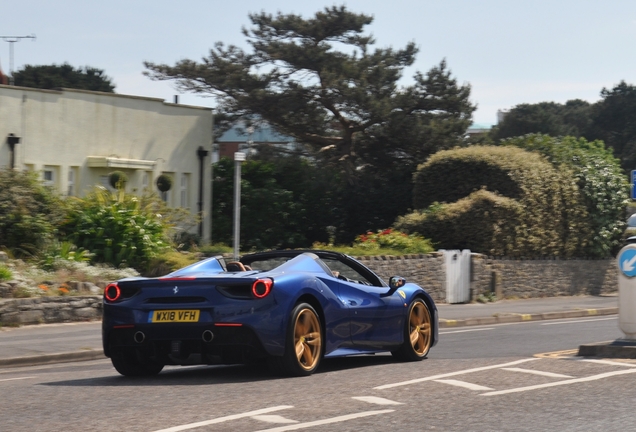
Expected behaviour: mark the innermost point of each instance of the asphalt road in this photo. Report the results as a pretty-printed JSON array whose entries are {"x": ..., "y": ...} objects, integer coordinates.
[{"x": 520, "y": 377}]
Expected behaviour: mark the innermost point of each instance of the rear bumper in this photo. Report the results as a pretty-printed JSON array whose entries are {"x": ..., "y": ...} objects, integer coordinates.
[{"x": 185, "y": 343}]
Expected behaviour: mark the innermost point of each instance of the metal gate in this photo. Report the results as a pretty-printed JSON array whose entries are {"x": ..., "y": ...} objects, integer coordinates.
[{"x": 457, "y": 275}]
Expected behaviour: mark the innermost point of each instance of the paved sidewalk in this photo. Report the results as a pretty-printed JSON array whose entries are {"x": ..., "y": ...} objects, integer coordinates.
[{"x": 56, "y": 343}]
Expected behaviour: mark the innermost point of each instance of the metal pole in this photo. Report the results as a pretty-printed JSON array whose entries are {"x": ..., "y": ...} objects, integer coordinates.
[
  {"x": 239, "y": 157},
  {"x": 12, "y": 40},
  {"x": 202, "y": 154}
]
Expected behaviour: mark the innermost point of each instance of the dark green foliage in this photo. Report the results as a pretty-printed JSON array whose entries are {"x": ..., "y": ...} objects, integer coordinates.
[
  {"x": 487, "y": 220},
  {"x": 63, "y": 76},
  {"x": 613, "y": 122},
  {"x": 553, "y": 220},
  {"x": 118, "y": 179},
  {"x": 280, "y": 205},
  {"x": 550, "y": 118},
  {"x": 320, "y": 81},
  {"x": 164, "y": 183},
  {"x": 600, "y": 181},
  {"x": 29, "y": 212},
  {"x": 116, "y": 228}
]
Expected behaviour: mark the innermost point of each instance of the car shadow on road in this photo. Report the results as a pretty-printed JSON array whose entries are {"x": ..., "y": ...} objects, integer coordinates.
[{"x": 222, "y": 374}]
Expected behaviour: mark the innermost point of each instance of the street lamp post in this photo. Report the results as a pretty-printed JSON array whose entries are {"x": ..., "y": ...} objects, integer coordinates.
[
  {"x": 201, "y": 153},
  {"x": 239, "y": 157}
]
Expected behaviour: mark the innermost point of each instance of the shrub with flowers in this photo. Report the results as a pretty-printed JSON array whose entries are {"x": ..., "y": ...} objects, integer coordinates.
[{"x": 394, "y": 240}]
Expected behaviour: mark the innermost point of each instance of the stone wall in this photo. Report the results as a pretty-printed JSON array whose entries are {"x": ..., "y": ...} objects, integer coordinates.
[
  {"x": 426, "y": 270},
  {"x": 543, "y": 278},
  {"x": 44, "y": 310},
  {"x": 507, "y": 278}
]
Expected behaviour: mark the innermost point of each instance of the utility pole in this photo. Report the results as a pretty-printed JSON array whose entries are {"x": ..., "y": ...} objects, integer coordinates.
[{"x": 12, "y": 40}]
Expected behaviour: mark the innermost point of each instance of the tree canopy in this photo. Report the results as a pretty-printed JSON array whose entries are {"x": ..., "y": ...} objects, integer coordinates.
[
  {"x": 63, "y": 76},
  {"x": 613, "y": 122},
  {"x": 320, "y": 81},
  {"x": 550, "y": 118}
]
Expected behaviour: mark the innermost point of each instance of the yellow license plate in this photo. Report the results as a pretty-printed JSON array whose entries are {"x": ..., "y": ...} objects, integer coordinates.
[{"x": 170, "y": 316}]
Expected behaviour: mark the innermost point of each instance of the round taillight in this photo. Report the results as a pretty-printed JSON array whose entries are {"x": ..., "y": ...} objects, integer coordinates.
[
  {"x": 262, "y": 287},
  {"x": 112, "y": 292}
]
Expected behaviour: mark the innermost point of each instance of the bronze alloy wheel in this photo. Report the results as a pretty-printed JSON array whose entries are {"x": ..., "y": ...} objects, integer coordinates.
[
  {"x": 420, "y": 328},
  {"x": 307, "y": 339}
]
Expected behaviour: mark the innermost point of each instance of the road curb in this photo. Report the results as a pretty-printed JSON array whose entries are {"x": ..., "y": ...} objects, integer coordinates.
[
  {"x": 41, "y": 359},
  {"x": 513, "y": 318}
]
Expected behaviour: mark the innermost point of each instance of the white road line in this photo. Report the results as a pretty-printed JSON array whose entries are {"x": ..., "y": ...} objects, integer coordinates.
[
  {"x": 52, "y": 366},
  {"x": 376, "y": 400},
  {"x": 560, "y": 383},
  {"x": 13, "y": 379},
  {"x": 463, "y": 384},
  {"x": 609, "y": 362},
  {"x": 579, "y": 321},
  {"x": 536, "y": 372},
  {"x": 326, "y": 421},
  {"x": 450, "y": 374},
  {"x": 464, "y": 331},
  {"x": 273, "y": 418},
  {"x": 224, "y": 419}
]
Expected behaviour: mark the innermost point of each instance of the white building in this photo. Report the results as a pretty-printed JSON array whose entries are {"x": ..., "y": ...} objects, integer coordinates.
[{"x": 75, "y": 138}]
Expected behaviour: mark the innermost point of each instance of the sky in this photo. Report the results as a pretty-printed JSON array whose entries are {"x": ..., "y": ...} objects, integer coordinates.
[{"x": 509, "y": 51}]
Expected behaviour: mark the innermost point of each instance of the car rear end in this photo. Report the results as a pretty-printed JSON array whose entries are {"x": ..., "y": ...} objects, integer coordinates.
[{"x": 189, "y": 320}]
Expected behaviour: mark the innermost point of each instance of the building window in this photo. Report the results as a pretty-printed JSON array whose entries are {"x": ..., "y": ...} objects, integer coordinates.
[
  {"x": 71, "y": 182},
  {"x": 184, "y": 190},
  {"x": 145, "y": 180},
  {"x": 48, "y": 176}
]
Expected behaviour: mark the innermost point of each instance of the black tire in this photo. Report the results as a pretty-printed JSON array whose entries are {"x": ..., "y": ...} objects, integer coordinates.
[
  {"x": 129, "y": 363},
  {"x": 418, "y": 333},
  {"x": 303, "y": 344}
]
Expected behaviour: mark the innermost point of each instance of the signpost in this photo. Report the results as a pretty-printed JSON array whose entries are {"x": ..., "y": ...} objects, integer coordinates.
[
  {"x": 634, "y": 185},
  {"x": 627, "y": 291}
]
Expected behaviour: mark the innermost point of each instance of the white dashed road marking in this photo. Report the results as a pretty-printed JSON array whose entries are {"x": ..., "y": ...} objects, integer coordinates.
[
  {"x": 465, "y": 331},
  {"x": 535, "y": 372},
  {"x": 273, "y": 418},
  {"x": 13, "y": 379},
  {"x": 560, "y": 383},
  {"x": 224, "y": 419},
  {"x": 326, "y": 421},
  {"x": 579, "y": 321},
  {"x": 376, "y": 400},
  {"x": 464, "y": 384},
  {"x": 609, "y": 362},
  {"x": 450, "y": 374}
]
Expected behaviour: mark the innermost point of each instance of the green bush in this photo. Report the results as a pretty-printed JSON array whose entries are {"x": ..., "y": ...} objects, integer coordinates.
[
  {"x": 116, "y": 228},
  {"x": 29, "y": 212},
  {"x": 57, "y": 250},
  {"x": 394, "y": 240},
  {"x": 164, "y": 183},
  {"x": 168, "y": 261},
  {"x": 483, "y": 222},
  {"x": 118, "y": 179},
  {"x": 600, "y": 180},
  {"x": 546, "y": 212},
  {"x": 5, "y": 273}
]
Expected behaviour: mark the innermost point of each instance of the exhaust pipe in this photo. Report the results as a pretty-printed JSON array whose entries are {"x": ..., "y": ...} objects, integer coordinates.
[
  {"x": 139, "y": 337},
  {"x": 207, "y": 336}
]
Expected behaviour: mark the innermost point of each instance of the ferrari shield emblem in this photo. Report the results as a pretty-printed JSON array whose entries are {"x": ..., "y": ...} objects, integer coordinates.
[{"x": 402, "y": 294}]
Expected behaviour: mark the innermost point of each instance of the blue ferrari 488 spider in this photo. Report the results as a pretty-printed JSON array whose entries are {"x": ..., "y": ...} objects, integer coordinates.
[{"x": 289, "y": 307}]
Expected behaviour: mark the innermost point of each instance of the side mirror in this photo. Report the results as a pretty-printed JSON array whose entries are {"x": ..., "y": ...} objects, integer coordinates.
[{"x": 395, "y": 282}]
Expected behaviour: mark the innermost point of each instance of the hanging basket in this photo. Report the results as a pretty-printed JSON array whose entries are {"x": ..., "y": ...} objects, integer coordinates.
[
  {"x": 164, "y": 183},
  {"x": 118, "y": 179}
]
